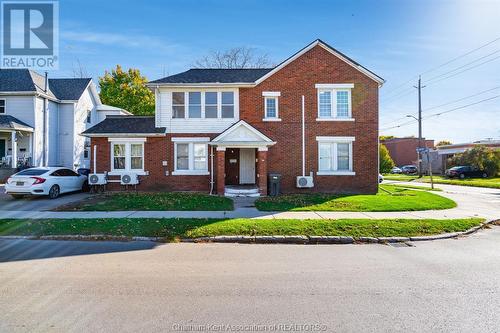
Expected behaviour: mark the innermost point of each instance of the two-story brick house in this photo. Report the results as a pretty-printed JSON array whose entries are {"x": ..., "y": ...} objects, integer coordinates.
[{"x": 315, "y": 114}]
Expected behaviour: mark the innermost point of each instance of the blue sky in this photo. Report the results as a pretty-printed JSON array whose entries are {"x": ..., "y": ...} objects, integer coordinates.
[{"x": 396, "y": 39}]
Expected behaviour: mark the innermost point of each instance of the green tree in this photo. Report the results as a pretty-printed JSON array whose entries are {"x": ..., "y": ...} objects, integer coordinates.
[
  {"x": 443, "y": 143},
  {"x": 127, "y": 90},
  {"x": 386, "y": 162},
  {"x": 481, "y": 157},
  {"x": 386, "y": 137}
]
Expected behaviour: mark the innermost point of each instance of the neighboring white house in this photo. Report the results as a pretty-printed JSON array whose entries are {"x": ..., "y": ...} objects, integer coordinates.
[{"x": 41, "y": 119}]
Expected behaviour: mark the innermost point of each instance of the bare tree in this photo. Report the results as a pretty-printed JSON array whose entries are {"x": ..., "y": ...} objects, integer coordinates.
[
  {"x": 238, "y": 57},
  {"x": 79, "y": 70}
]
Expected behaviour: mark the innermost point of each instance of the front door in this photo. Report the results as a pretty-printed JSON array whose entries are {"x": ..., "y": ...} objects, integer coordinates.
[
  {"x": 232, "y": 166},
  {"x": 247, "y": 166},
  {"x": 2, "y": 148}
]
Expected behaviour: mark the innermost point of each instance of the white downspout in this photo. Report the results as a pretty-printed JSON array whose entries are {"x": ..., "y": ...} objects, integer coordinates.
[
  {"x": 95, "y": 156},
  {"x": 211, "y": 170},
  {"x": 303, "y": 138}
]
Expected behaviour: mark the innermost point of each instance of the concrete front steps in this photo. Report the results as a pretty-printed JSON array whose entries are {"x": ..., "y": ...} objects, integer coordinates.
[{"x": 241, "y": 191}]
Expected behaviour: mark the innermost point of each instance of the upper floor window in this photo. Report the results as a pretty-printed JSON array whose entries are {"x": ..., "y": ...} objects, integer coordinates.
[
  {"x": 2, "y": 105},
  {"x": 334, "y": 101},
  {"x": 178, "y": 106},
  {"x": 227, "y": 104},
  {"x": 203, "y": 104},
  {"x": 88, "y": 120},
  {"x": 271, "y": 105}
]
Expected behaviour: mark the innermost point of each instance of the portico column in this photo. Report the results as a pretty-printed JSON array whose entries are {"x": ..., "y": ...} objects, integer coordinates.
[
  {"x": 262, "y": 170},
  {"x": 221, "y": 170},
  {"x": 13, "y": 139}
]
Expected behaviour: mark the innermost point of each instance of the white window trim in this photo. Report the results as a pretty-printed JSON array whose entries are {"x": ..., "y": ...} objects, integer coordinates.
[
  {"x": 334, "y": 140},
  {"x": 333, "y": 89},
  {"x": 191, "y": 142},
  {"x": 128, "y": 156},
  {"x": 275, "y": 97},
  {"x": 271, "y": 93},
  {"x": 203, "y": 92},
  {"x": 4, "y": 105}
]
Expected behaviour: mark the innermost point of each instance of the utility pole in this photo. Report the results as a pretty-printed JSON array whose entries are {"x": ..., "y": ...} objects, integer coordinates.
[{"x": 420, "y": 146}]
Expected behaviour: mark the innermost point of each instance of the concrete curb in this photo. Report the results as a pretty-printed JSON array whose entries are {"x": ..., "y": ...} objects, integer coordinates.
[{"x": 274, "y": 239}]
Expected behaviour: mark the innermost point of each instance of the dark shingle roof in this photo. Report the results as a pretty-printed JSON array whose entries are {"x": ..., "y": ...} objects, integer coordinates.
[
  {"x": 68, "y": 89},
  {"x": 25, "y": 80},
  {"x": 126, "y": 125},
  {"x": 202, "y": 75},
  {"x": 12, "y": 123}
]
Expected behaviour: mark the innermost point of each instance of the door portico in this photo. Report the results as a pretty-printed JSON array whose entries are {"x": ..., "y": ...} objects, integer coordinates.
[{"x": 242, "y": 157}]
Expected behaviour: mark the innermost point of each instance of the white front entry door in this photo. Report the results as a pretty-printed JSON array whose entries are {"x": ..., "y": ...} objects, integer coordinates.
[{"x": 247, "y": 166}]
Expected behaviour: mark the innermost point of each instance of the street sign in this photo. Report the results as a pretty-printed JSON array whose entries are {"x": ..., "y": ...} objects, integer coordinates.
[{"x": 422, "y": 150}]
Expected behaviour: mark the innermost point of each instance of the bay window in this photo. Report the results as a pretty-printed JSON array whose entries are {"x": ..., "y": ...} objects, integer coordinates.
[
  {"x": 190, "y": 156},
  {"x": 334, "y": 102},
  {"x": 127, "y": 155},
  {"x": 335, "y": 155}
]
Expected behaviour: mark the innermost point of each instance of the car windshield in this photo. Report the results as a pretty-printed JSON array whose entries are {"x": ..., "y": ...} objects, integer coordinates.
[{"x": 32, "y": 172}]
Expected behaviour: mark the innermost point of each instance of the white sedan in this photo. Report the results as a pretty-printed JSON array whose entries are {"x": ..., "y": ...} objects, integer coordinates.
[{"x": 50, "y": 181}]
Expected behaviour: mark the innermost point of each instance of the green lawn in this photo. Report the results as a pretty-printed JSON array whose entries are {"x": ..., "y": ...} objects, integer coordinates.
[
  {"x": 493, "y": 182},
  {"x": 153, "y": 201},
  {"x": 389, "y": 198},
  {"x": 172, "y": 229}
]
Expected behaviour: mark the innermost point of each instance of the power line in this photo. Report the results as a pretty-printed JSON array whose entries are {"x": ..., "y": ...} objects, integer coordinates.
[
  {"x": 443, "y": 112},
  {"x": 444, "y": 104}
]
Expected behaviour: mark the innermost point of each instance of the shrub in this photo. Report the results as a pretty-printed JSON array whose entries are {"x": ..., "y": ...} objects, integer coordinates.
[{"x": 386, "y": 162}]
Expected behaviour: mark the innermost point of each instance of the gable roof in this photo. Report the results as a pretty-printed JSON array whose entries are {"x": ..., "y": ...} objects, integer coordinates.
[
  {"x": 28, "y": 81},
  {"x": 214, "y": 75},
  {"x": 8, "y": 122},
  {"x": 125, "y": 126},
  {"x": 242, "y": 133},
  {"x": 68, "y": 89},
  {"x": 254, "y": 75}
]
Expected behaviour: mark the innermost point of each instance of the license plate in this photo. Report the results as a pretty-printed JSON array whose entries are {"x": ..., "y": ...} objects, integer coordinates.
[{"x": 19, "y": 183}]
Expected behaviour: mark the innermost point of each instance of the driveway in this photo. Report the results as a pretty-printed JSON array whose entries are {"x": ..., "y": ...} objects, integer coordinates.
[
  {"x": 448, "y": 285},
  {"x": 36, "y": 203}
]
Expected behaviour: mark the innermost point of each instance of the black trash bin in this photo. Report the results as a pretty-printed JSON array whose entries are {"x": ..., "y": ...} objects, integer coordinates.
[{"x": 274, "y": 184}]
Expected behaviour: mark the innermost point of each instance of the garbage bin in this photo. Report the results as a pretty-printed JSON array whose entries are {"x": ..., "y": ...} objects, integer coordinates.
[{"x": 274, "y": 184}]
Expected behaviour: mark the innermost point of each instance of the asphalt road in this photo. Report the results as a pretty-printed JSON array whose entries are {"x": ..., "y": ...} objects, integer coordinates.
[
  {"x": 448, "y": 285},
  {"x": 37, "y": 203}
]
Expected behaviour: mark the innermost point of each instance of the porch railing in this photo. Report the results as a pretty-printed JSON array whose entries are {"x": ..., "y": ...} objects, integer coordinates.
[{"x": 22, "y": 162}]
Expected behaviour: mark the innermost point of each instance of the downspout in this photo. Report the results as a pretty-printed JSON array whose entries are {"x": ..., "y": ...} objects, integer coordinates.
[
  {"x": 44, "y": 142},
  {"x": 211, "y": 170},
  {"x": 95, "y": 158},
  {"x": 303, "y": 138}
]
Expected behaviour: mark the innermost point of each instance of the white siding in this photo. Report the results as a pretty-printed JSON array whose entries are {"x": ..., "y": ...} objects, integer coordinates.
[
  {"x": 53, "y": 134},
  {"x": 20, "y": 107},
  {"x": 85, "y": 103},
  {"x": 164, "y": 116},
  {"x": 66, "y": 134},
  {"x": 38, "y": 132}
]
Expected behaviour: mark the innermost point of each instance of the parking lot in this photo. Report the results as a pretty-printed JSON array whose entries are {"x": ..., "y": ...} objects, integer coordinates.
[{"x": 37, "y": 203}]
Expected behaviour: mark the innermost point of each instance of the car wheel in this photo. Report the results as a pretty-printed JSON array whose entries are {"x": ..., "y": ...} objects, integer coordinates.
[
  {"x": 485, "y": 175},
  {"x": 462, "y": 176},
  {"x": 54, "y": 192},
  {"x": 85, "y": 187},
  {"x": 17, "y": 196}
]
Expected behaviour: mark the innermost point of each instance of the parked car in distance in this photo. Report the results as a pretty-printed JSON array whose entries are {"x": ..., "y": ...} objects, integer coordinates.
[
  {"x": 380, "y": 178},
  {"x": 50, "y": 181},
  {"x": 396, "y": 170},
  {"x": 409, "y": 169},
  {"x": 465, "y": 171}
]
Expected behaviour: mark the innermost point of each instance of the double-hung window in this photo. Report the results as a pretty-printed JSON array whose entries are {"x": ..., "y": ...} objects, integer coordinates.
[
  {"x": 178, "y": 105},
  {"x": 271, "y": 106},
  {"x": 334, "y": 102},
  {"x": 194, "y": 104},
  {"x": 335, "y": 155},
  {"x": 227, "y": 104},
  {"x": 2, "y": 106},
  {"x": 127, "y": 156},
  {"x": 211, "y": 104},
  {"x": 190, "y": 156}
]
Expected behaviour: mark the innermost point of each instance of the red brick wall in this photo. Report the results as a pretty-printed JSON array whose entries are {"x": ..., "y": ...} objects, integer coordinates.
[
  {"x": 403, "y": 151},
  {"x": 296, "y": 79},
  {"x": 299, "y": 78}
]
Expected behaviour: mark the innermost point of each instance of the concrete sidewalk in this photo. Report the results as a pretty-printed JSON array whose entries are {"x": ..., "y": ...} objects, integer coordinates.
[{"x": 471, "y": 202}]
